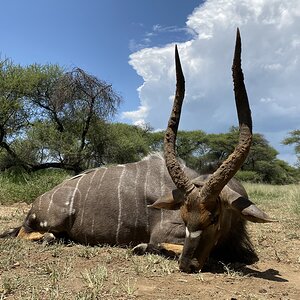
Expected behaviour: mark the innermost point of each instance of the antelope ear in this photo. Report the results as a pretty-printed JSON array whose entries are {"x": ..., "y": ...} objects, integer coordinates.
[
  {"x": 171, "y": 201},
  {"x": 250, "y": 211},
  {"x": 199, "y": 182},
  {"x": 244, "y": 206}
]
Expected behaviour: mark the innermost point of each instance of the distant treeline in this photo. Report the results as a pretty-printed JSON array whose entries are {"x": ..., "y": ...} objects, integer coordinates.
[{"x": 51, "y": 118}]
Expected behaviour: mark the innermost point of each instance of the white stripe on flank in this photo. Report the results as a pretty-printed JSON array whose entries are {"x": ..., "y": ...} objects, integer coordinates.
[
  {"x": 137, "y": 175},
  {"x": 120, "y": 204},
  {"x": 51, "y": 198},
  {"x": 71, "y": 211},
  {"x": 162, "y": 192},
  {"x": 51, "y": 201},
  {"x": 145, "y": 192},
  {"x": 87, "y": 193},
  {"x": 40, "y": 202},
  {"x": 93, "y": 224}
]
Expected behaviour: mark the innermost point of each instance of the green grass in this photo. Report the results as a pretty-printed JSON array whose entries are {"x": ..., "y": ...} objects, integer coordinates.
[
  {"x": 23, "y": 187},
  {"x": 276, "y": 196},
  {"x": 34, "y": 271}
]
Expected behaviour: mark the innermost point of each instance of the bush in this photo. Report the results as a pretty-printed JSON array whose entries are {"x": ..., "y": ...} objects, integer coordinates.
[
  {"x": 19, "y": 186},
  {"x": 249, "y": 176}
]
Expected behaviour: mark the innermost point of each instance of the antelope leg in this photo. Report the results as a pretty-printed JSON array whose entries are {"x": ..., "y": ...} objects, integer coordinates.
[
  {"x": 175, "y": 248},
  {"x": 45, "y": 237},
  {"x": 30, "y": 236}
]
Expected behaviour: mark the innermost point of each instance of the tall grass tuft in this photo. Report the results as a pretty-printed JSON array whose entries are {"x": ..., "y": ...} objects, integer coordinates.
[
  {"x": 19, "y": 186},
  {"x": 283, "y": 197}
]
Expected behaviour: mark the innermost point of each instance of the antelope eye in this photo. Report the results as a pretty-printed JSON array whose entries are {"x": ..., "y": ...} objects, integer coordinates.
[{"x": 214, "y": 219}]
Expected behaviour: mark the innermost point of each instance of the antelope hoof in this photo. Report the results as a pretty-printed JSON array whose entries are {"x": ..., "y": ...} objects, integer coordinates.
[
  {"x": 48, "y": 238},
  {"x": 140, "y": 249},
  {"x": 144, "y": 248},
  {"x": 189, "y": 265}
]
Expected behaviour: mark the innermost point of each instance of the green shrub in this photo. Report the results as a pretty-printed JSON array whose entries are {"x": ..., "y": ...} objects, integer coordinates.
[
  {"x": 248, "y": 176},
  {"x": 18, "y": 186}
]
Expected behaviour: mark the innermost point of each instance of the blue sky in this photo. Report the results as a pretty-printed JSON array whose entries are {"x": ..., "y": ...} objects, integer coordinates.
[
  {"x": 130, "y": 44},
  {"x": 96, "y": 35}
]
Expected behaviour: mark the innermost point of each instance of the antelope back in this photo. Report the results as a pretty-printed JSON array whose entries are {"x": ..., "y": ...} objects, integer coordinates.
[{"x": 107, "y": 204}]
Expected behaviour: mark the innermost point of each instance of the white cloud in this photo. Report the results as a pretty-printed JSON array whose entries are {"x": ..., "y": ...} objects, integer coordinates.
[
  {"x": 270, "y": 58},
  {"x": 157, "y": 30}
]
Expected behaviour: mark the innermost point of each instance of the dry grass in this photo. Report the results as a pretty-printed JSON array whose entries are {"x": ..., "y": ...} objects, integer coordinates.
[
  {"x": 280, "y": 202},
  {"x": 33, "y": 271}
]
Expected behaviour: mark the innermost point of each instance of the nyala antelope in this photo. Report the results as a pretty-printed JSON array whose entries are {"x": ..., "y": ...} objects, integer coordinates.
[{"x": 158, "y": 204}]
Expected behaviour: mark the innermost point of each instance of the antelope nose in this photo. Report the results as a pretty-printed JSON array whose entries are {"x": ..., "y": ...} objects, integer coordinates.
[{"x": 189, "y": 265}]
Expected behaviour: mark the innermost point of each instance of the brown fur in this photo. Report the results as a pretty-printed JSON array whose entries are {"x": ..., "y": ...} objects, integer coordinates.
[{"x": 211, "y": 210}]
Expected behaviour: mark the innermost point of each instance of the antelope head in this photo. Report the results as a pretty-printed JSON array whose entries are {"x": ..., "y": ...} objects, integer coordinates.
[{"x": 201, "y": 203}]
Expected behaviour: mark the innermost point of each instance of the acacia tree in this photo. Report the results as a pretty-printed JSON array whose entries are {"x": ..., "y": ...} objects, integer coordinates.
[
  {"x": 78, "y": 103},
  {"x": 14, "y": 117},
  {"x": 47, "y": 114},
  {"x": 205, "y": 152},
  {"x": 294, "y": 139},
  {"x": 261, "y": 165},
  {"x": 125, "y": 143},
  {"x": 92, "y": 100},
  {"x": 191, "y": 146}
]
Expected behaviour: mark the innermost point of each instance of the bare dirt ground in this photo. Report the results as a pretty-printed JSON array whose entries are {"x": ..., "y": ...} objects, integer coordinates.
[{"x": 33, "y": 271}]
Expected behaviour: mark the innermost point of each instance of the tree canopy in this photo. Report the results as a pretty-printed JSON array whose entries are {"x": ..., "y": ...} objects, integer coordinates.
[
  {"x": 50, "y": 117},
  {"x": 294, "y": 139},
  {"x": 47, "y": 115},
  {"x": 205, "y": 152}
]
